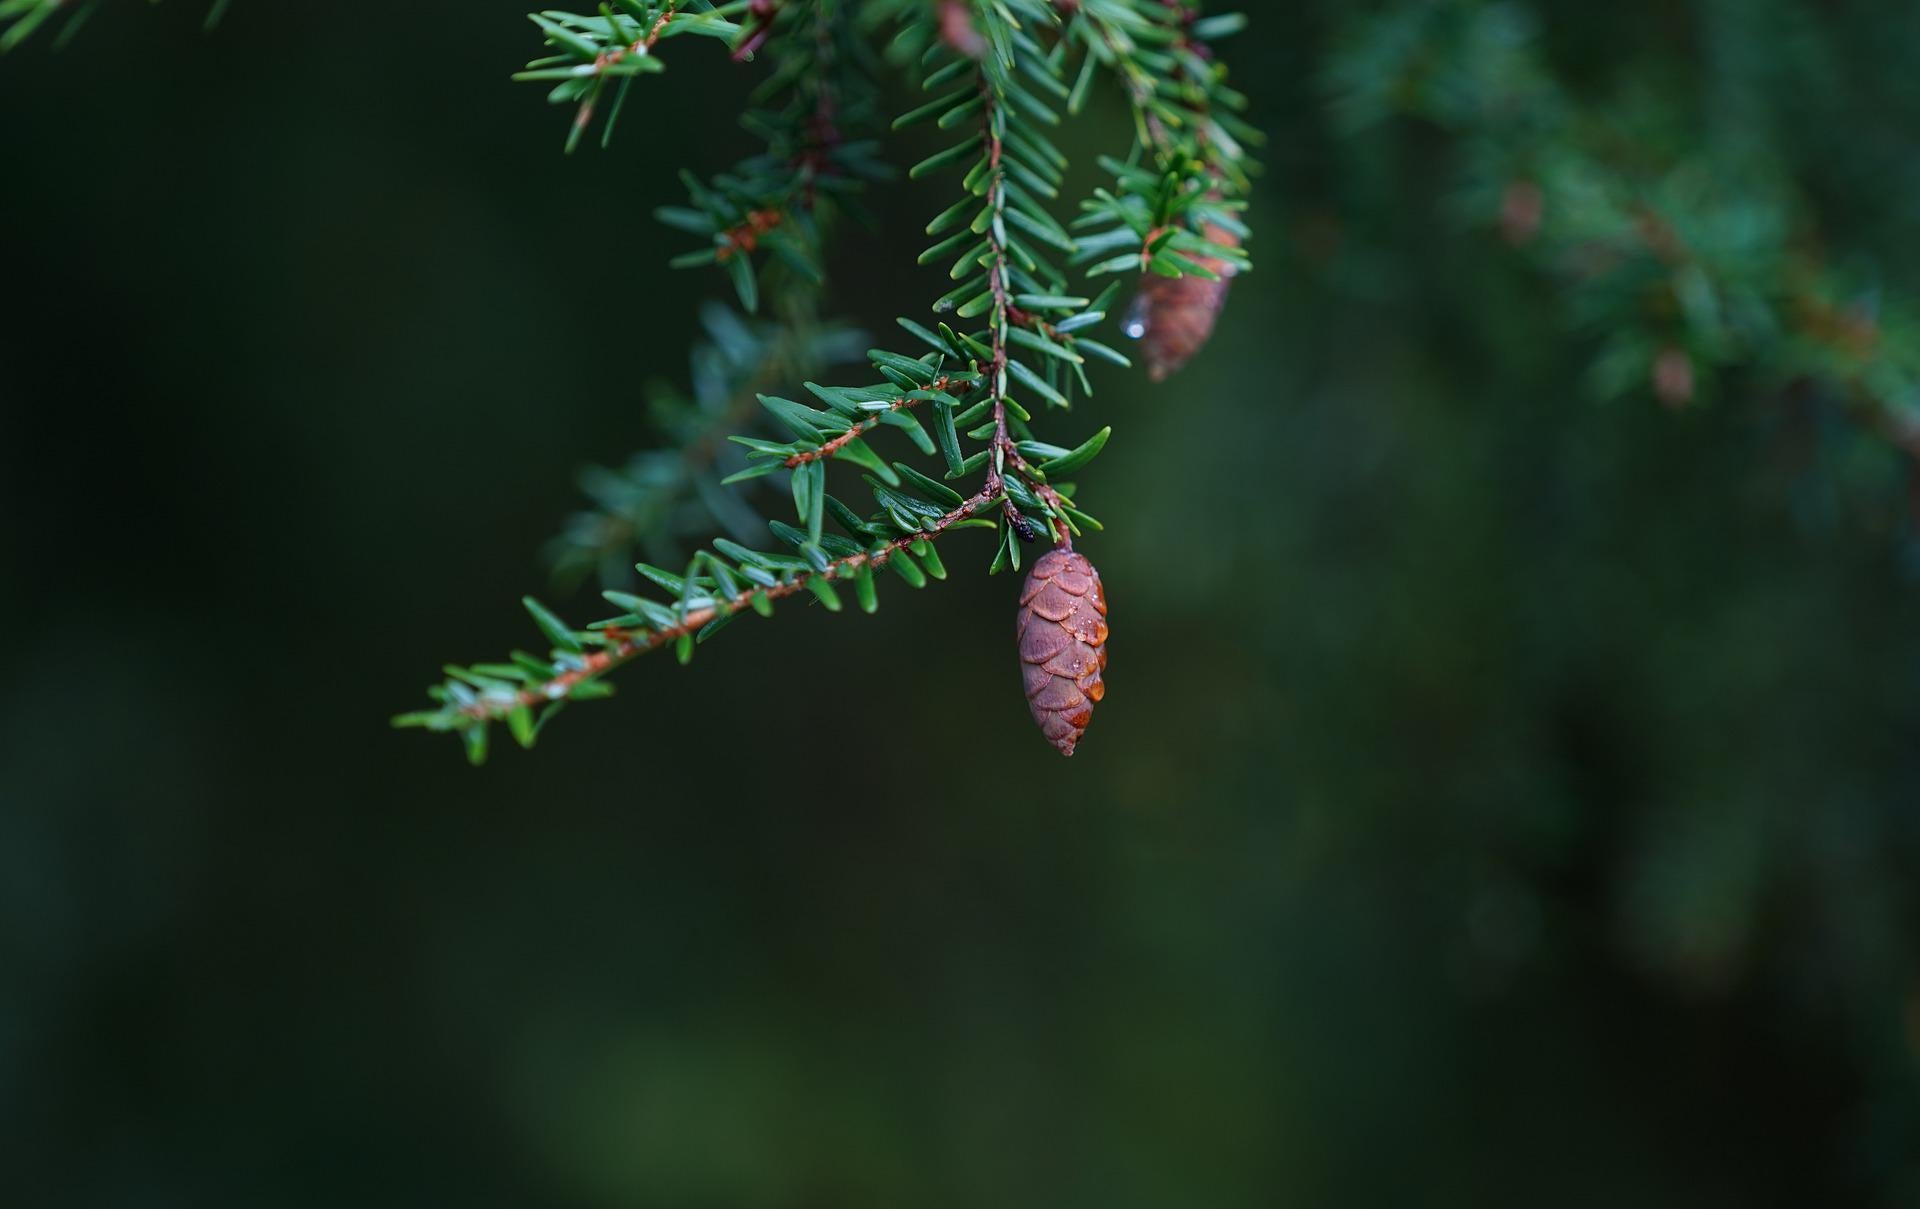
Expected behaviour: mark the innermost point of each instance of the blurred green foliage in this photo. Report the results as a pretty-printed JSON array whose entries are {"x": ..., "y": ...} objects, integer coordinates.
[{"x": 1515, "y": 803}]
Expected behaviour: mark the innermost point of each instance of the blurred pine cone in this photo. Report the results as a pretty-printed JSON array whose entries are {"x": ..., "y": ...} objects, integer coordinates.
[
  {"x": 1063, "y": 645},
  {"x": 1173, "y": 317}
]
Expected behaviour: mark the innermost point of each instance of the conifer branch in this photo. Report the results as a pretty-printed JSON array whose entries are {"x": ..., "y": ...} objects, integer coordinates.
[
  {"x": 1161, "y": 52},
  {"x": 996, "y": 367},
  {"x": 592, "y": 50},
  {"x": 1690, "y": 265},
  {"x": 1006, "y": 317},
  {"x": 507, "y": 693},
  {"x": 816, "y": 116},
  {"x": 612, "y": 55},
  {"x": 1172, "y": 215},
  {"x": 969, "y": 382},
  {"x": 993, "y": 71}
]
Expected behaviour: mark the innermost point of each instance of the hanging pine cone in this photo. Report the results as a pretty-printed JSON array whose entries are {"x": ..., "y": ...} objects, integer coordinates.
[
  {"x": 1173, "y": 317},
  {"x": 1063, "y": 645}
]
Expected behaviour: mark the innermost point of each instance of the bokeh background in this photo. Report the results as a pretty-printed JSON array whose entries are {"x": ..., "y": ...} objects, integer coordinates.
[{"x": 1504, "y": 798}]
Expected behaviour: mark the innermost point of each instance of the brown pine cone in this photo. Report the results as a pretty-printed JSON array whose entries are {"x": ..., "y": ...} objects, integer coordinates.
[
  {"x": 1063, "y": 645},
  {"x": 1173, "y": 317}
]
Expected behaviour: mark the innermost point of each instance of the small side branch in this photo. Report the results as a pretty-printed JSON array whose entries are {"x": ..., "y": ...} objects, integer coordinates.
[
  {"x": 835, "y": 445},
  {"x": 624, "y": 647}
]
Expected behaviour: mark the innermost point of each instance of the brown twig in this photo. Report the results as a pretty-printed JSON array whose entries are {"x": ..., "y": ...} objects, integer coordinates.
[
  {"x": 644, "y": 44},
  {"x": 1002, "y": 305},
  {"x": 1004, "y": 450},
  {"x": 624, "y": 647},
  {"x": 1055, "y": 502},
  {"x": 607, "y": 58},
  {"x": 743, "y": 237},
  {"x": 846, "y": 438}
]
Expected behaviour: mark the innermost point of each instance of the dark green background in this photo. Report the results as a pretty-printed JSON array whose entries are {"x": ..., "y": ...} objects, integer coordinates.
[{"x": 1502, "y": 798}]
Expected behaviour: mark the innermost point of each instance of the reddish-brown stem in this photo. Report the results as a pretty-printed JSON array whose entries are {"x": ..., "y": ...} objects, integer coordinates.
[
  {"x": 643, "y": 45},
  {"x": 607, "y": 58},
  {"x": 744, "y": 236},
  {"x": 1004, "y": 451},
  {"x": 623, "y": 647},
  {"x": 1056, "y": 503},
  {"x": 829, "y": 448},
  {"x": 1002, "y": 303}
]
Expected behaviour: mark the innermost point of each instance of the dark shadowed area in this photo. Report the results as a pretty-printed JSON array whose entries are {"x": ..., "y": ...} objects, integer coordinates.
[{"x": 1502, "y": 797}]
